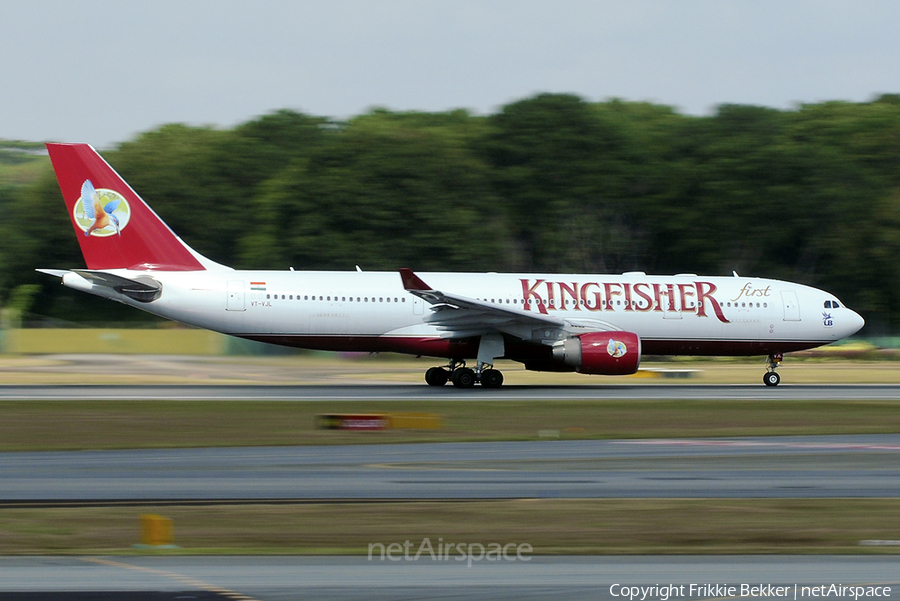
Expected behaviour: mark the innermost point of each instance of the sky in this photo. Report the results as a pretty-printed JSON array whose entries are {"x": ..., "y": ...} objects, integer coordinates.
[{"x": 103, "y": 71}]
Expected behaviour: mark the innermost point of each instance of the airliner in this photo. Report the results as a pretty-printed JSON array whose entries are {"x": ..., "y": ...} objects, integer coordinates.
[{"x": 591, "y": 324}]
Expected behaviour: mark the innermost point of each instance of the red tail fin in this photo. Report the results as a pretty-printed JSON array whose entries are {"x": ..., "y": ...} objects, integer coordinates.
[{"x": 116, "y": 229}]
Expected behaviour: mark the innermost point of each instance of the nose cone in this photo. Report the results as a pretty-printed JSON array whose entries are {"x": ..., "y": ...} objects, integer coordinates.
[{"x": 855, "y": 322}]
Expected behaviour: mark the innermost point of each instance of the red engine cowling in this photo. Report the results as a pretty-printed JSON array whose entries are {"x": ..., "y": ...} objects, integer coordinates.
[{"x": 601, "y": 353}]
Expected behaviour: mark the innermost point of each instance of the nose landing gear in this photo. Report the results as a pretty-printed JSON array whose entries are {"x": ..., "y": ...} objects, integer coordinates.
[{"x": 771, "y": 378}]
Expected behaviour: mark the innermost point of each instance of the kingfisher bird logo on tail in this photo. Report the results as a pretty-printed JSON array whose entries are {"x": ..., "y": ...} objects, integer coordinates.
[
  {"x": 101, "y": 219},
  {"x": 116, "y": 229}
]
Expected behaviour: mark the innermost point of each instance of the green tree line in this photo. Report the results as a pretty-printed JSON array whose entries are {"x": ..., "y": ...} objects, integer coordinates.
[{"x": 549, "y": 183}]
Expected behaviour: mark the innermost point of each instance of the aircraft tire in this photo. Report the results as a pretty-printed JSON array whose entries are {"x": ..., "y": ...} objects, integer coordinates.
[
  {"x": 463, "y": 377},
  {"x": 436, "y": 376},
  {"x": 771, "y": 378},
  {"x": 491, "y": 378}
]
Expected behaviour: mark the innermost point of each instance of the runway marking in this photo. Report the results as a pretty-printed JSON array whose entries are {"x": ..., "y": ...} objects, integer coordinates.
[
  {"x": 406, "y": 465},
  {"x": 192, "y": 582},
  {"x": 839, "y": 446}
]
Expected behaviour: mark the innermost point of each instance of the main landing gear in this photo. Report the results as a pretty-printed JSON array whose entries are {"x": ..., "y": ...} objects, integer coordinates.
[
  {"x": 464, "y": 377},
  {"x": 490, "y": 347},
  {"x": 771, "y": 378}
]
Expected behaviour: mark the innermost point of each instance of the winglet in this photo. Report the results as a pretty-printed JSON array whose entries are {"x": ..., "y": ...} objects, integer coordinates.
[{"x": 413, "y": 282}]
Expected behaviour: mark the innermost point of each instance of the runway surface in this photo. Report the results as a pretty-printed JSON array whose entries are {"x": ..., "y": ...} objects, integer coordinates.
[
  {"x": 769, "y": 467},
  {"x": 357, "y": 578},
  {"x": 807, "y": 467},
  {"x": 420, "y": 392}
]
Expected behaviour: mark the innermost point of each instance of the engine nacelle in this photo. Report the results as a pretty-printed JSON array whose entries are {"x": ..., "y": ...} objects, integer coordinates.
[{"x": 601, "y": 353}]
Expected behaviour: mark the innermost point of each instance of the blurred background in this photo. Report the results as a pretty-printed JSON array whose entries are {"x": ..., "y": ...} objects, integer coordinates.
[
  {"x": 706, "y": 138},
  {"x": 551, "y": 183}
]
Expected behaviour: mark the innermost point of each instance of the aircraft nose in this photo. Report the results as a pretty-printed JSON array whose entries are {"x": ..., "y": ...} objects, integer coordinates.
[{"x": 855, "y": 323}]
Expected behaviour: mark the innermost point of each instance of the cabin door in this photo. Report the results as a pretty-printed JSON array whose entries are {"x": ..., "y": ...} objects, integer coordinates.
[
  {"x": 235, "y": 299},
  {"x": 791, "y": 306}
]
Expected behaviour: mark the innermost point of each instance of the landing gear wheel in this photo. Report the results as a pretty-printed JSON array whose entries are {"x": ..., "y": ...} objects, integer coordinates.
[
  {"x": 491, "y": 378},
  {"x": 437, "y": 376},
  {"x": 772, "y": 363},
  {"x": 463, "y": 377}
]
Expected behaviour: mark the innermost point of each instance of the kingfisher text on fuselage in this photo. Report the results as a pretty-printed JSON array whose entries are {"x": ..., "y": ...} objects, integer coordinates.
[{"x": 642, "y": 297}]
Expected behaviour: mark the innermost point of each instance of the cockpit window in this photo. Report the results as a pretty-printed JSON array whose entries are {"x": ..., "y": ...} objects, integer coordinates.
[
  {"x": 827, "y": 304},
  {"x": 835, "y": 305}
]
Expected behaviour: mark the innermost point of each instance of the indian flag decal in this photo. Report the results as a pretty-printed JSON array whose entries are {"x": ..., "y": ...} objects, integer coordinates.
[{"x": 257, "y": 285}]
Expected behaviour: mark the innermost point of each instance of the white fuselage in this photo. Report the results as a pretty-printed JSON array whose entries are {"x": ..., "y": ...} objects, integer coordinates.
[{"x": 371, "y": 311}]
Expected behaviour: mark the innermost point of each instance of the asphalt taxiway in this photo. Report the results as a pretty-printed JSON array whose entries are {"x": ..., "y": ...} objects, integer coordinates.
[
  {"x": 762, "y": 467},
  {"x": 358, "y": 578},
  {"x": 422, "y": 392}
]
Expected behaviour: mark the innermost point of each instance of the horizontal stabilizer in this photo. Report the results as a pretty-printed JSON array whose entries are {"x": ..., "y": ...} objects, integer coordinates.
[
  {"x": 54, "y": 272},
  {"x": 143, "y": 288}
]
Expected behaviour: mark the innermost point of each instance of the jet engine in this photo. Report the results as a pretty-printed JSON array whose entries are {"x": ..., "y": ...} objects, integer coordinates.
[{"x": 601, "y": 353}]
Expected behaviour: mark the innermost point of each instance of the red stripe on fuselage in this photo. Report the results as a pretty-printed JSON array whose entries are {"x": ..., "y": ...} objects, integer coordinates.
[{"x": 467, "y": 348}]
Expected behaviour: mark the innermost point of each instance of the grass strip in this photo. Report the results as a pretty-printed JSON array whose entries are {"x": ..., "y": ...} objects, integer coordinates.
[
  {"x": 78, "y": 425},
  {"x": 550, "y": 526}
]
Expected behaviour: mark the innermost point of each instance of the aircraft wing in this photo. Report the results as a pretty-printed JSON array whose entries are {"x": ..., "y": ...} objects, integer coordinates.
[{"x": 461, "y": 316}]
